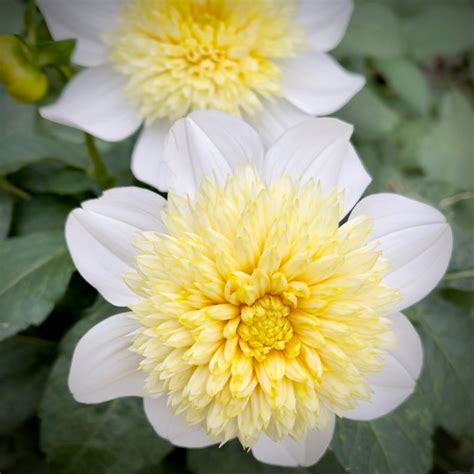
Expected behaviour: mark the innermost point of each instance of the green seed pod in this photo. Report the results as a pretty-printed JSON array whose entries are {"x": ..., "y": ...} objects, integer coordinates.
[{"x": 22, "y": 79}]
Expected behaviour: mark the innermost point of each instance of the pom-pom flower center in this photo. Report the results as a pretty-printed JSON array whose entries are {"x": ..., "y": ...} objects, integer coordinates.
[
  {"x": 260, "y": 313},
  {"x": 264, "y": 326},
  {"x": 184, "y": 55}
]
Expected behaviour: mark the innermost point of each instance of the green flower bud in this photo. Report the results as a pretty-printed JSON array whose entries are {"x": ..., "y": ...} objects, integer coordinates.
[{"x": 23, "y": 80}]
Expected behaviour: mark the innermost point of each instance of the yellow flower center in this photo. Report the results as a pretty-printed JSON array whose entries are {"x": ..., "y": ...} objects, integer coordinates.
[
  {"x": 264, "y": 326},
  {"x": 260, "y": 313},
  {"x": 183, "y": 55}
]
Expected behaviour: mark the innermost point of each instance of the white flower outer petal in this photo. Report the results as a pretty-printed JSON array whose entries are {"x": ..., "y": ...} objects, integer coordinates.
[
  {"x": 397, "y": 380},
  {"x": 317, "y": 84},
  {"x": 83, "y": 20},
  {"x": 291, "y": 453},
  {"x": 414, "y": 237},
  {"x": 148, "y": 164},
  {"x": 172, "y": 427},
  {"x": 207, "y": 143},
  {"x": 103, "y": 367},
  {"x": 99, "y": 237},
  {"x": 94, "y": 101},
  {"x": 319, "y": 149},
  {"x": 326, "y": 21},
  {"x": 275, "y": 118}
]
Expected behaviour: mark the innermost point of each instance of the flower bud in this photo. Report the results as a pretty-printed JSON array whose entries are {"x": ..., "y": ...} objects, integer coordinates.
[{"x": 22, "y": 79}]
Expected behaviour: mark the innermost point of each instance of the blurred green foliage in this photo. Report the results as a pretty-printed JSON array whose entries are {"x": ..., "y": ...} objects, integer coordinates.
[{"x": 414, "y": 130}]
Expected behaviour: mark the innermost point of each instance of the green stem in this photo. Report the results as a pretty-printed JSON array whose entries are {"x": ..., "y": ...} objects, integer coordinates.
[
  {"x": 12, "y": 189},
  {"x": 449, "y": 201},
  {"x": 30, "y": 23},
  {"x": 459, "y": 275},
  {"x": 99, "y": 170}
]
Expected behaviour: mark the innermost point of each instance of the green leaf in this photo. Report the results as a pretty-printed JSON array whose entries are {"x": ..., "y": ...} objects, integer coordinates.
[
  {"x": 62, "y": 133},
  {"x": 173, "y": 463},
  {"x": 56, "y": 53},
  {"x": 233, "y": 459},
  {"x": 407, "y": 80},
  {"x": 112, "y": 437},
  {"x": 23, "y": 143},
  {"x": 385, "y": 176},
  {"x": 370, "y": 115},
  {"x": 452, "y": 455},
  {"x": 6, "y": 207},
  {"x": 447, "y": 333},
  {"x": 19, "y": 452},
  {"x": 328, "y": 464},
  {"x": 116, "y": 157},
  {"x": 397, "y": 443},
  {"x": 50, "y": 177},
  {"x": 461, "y": 206},
  {"x": 23, "y": 372},
  {"x": 374, "y": 31},
  {"x": 11, "y": 17},
  {"x": 407, "y": 139},
  {"x": 407, "y": 7},
  {"x": 461, "y": 267},
  {"x": 444, "y": 29},
  {"x": 446, "y": 151},
  {"x": 35, "y": 273},
  {"x": 41, "y": 214}
]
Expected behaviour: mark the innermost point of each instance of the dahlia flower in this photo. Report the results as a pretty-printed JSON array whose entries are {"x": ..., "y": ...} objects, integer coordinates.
[
  {"x": 257, "y": 309},
  {"x": 151, "y": 62}
]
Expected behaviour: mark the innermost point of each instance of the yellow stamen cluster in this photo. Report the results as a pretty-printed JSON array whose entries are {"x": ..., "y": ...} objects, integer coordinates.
[
  {"x": 259, "y": 311},
  {"x": 264, "y": 326},
  {"x": 183, "y": 55}
]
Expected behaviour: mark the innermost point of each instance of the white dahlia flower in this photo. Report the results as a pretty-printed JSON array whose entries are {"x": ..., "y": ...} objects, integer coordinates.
[
  {"x": 153, "y": 61},
  {"x": 258, "y": 310}
]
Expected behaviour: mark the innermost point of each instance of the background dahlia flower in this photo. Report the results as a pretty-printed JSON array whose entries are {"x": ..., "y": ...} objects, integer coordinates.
[
  {"x": 258, "y": 310},
  {"x": 153, "y": 61}
]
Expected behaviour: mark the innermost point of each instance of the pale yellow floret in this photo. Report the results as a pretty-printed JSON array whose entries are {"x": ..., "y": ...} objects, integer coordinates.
[
  {"x": 183, "y": 55},
  {"x": 259, "y": 312}
]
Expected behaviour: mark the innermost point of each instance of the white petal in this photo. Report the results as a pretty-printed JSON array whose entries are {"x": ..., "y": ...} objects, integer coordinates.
[
  {"x": 207, "y": 143},
  {"x": 325, "y": 21},
  {"x": 319, "y": 148},
  {"x": 397, "y": 380},
  {"x": 137, "y": 207},
  {"x": 172, "y": 427},
  {"x": 99, "y": 238},
  {"x": 148, "y": 164},
  {"x": 414, "y": 237},
  {"x": 291, "y": 453},
  {"x": 317, "y": 84},
  {"x": 275, "y": 118},
  {"x": 103, "y": 367},
  {"x": 84, "y": 20},
  {"x": 94, "y": 101}
]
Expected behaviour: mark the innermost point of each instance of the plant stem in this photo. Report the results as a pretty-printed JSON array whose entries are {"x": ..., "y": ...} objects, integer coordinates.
[
  {"x": 449, "y": 201},
  {"x": 459, "y": 275},
  {"x": 30, "y": 23},
  {"x": 99, "y": 170},
  {"x": 12, "y": 189}
]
